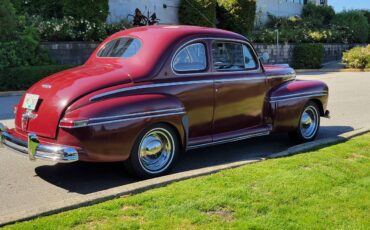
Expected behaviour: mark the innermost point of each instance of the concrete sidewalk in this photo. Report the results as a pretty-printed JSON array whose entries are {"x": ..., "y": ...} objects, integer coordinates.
[{"x": 333, "y": 65}]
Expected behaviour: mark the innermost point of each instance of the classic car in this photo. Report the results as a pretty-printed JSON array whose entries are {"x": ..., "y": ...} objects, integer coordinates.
[{"x": 149, "y": 93}]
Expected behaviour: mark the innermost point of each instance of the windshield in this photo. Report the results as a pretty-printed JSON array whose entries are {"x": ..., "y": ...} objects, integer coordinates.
[{"x": 124, "y": 47}]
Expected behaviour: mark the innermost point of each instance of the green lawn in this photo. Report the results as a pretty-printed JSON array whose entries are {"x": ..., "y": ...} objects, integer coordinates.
[{"x": 324, "y": 189}]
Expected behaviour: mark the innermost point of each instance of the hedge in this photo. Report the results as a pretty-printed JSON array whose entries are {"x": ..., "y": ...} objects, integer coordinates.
[
  {"x": 45, "y": 9},
  {"x": 308, "y": 56},
  {"x": 318, "y": 15},
  {"x": 21, "y": 78},
  {"x": 356, "y": 21},
  {"x": 91, "y": 10},
  {"x": 236, "y": 15},
  {"x": 19, "y": 40},
  {"x": 358, "y": 57},
  {"x": 198, "y": 12}
]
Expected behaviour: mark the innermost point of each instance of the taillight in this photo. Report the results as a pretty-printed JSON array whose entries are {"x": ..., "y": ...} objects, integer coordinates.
[{"x": 70, "y": 124}]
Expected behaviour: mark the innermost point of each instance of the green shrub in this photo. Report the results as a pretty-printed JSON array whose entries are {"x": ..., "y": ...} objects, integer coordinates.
[
  {"x": 236, "y": 15},
  {"x": 318, "y": 16},
  {"x": 308, "y": 56},
  {"x": 367, "y": 15},
  {"x": 21, "y": 78},
  {"x": 358, "y": 57},
  {"x": 91, "y": 10},
  {"x": 19, "y": 43},
  {"x": 335, "y": 34},
  {"x": 356, "y": 22},
  {"x": 8, "y": 19},
  {"x": 284, "y": 22},
  {"x": 45, "y": 9},
  {"x": 197, "y": 12},
  {"x": 72, "y": 29}
]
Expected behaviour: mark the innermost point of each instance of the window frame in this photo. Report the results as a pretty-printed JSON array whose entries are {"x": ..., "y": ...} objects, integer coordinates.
[
  {"x": 180, "y": 72},
  {"x": 249, "y": 47},
  {"x": 105, "y": 44}
]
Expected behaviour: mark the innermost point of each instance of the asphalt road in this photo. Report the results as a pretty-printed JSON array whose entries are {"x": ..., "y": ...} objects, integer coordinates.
[{"x": 27, "y": 185}]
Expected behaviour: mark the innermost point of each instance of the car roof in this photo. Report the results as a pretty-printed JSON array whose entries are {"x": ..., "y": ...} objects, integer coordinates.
[
  {"x": 157, "y": 42},
  {"x": 176, "y": 32}
]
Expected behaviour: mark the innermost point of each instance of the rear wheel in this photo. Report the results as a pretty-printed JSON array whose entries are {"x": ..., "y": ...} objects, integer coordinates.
[
  {"x": 309, "y": 124},
  {"x": 154, "y": 152}
]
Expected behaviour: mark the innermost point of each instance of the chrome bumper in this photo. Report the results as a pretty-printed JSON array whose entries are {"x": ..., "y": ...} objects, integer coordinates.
[{"x": 35, "y": 150}]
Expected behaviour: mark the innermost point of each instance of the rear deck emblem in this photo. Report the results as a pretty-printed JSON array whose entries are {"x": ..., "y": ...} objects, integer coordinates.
[
  {"x": 46, "y": 86},
  {"x": 26, "y": 117}
]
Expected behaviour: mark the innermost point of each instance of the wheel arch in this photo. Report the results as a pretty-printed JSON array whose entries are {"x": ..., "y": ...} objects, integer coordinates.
[
  {"x": 320, "y": 105},
  {"x": 288, "y": 100}
]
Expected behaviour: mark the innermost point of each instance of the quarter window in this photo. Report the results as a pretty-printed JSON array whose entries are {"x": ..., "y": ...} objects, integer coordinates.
[
  {"x": 232, "y": 56},
  {"x": 124, "y": 47},
  {"x": 191, "y": 58}
]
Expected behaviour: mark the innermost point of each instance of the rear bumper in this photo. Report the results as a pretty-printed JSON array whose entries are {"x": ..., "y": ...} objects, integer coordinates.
[{"x": 35, "y": 150}]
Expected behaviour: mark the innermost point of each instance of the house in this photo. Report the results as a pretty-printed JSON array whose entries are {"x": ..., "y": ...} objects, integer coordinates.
[
  {"x": 281, "y": 8},
  {"x": 167, "y": 10}
]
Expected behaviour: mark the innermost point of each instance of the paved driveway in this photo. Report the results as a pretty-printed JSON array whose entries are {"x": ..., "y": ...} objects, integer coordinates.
[{"x": 27, "y": 185}]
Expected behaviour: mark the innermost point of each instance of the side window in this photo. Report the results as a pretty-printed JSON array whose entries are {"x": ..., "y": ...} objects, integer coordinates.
[
  {"x": 232, "y": 56},
  {"x": 249, "y": 61},
  {"x": 191, "y": 58}
]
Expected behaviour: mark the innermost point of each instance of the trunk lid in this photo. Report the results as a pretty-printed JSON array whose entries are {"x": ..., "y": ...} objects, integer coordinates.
[{"x": 59, "y": 90}]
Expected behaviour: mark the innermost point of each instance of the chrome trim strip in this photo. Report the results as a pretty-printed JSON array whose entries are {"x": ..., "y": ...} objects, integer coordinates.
[
  {"x": 136, "y": 114},
  {"x": 264, "y": 133},
  {"x": 298, "y": 94},
  {"x": 298, "y": 97},
  {"x": 89, "y": 123},
  {"x": 32, "y": 148},
  {"x": 148, "y": 86},
  {"x": 134, "y": 118},
  {"x": 290, "y": 75},
  {"x": 240, "y": 79}
]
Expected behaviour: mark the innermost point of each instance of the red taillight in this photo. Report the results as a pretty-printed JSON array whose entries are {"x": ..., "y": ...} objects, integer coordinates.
[{"x": 69, "y": 124}]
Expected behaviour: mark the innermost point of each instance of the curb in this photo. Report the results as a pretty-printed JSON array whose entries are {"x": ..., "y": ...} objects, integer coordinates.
[
  {"x": 11, "y": 93},
  {"x": 331, "y": 70},
  {"x": 142, "y": 186}
]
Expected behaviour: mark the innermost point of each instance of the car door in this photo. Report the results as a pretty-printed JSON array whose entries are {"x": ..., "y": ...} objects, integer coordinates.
[
  {"x": 240, "y": 86},
  {"x": 194, "y": 87}
]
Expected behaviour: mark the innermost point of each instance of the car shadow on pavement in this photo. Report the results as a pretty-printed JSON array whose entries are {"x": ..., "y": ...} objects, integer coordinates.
[{"x": 85, "y": 178}]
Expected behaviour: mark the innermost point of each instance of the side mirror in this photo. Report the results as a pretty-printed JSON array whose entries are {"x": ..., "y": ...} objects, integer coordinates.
[{"x": 264, "y": 57}]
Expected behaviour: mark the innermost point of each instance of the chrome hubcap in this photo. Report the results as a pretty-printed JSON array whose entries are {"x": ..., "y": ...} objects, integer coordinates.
[
  {"x": 309, "y": 122},
  {"x": 156, "y": 150}
]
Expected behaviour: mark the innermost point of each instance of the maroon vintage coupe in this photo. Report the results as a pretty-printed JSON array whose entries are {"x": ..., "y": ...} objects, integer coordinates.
[{"x": 146, "y": 94}]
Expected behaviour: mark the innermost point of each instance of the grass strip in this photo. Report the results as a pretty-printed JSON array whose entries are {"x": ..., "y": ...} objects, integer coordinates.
[{"x": 327, "y": 188}]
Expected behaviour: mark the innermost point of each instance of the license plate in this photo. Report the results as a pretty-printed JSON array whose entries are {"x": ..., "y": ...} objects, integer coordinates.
[{"x": 30, "y": 101}]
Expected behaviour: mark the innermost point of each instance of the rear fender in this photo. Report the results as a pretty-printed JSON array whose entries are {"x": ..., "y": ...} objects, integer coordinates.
[
  {"x": 108, "y": 129},
  {"x": 287, "y": 101}
]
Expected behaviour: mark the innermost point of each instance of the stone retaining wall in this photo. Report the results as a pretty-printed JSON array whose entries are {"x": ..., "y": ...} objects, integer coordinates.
[
  {"x": 73, "y": 53},
  {"x": 284, "y": 53},
  {"x": 77, "y": 53}
]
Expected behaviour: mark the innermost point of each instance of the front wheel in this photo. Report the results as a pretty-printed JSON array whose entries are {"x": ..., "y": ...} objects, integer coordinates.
[
  {"x": 154, "y": 152},
  {"x": 309, "y": 124}
]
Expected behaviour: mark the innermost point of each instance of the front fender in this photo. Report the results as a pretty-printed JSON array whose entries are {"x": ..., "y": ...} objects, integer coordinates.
[
  {"x": 287, "y": 101},
  {"x": 108, "y": 129}
]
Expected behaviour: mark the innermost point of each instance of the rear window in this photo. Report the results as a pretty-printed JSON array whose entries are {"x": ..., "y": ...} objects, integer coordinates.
[{"x": 124, "y": 47}]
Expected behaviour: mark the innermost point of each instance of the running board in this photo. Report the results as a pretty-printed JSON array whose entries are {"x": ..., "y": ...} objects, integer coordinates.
[{"x": 263, "y": 133}]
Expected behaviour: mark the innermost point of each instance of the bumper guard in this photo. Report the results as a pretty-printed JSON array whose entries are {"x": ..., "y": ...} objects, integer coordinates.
[{"x": 35, "y": 150}]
